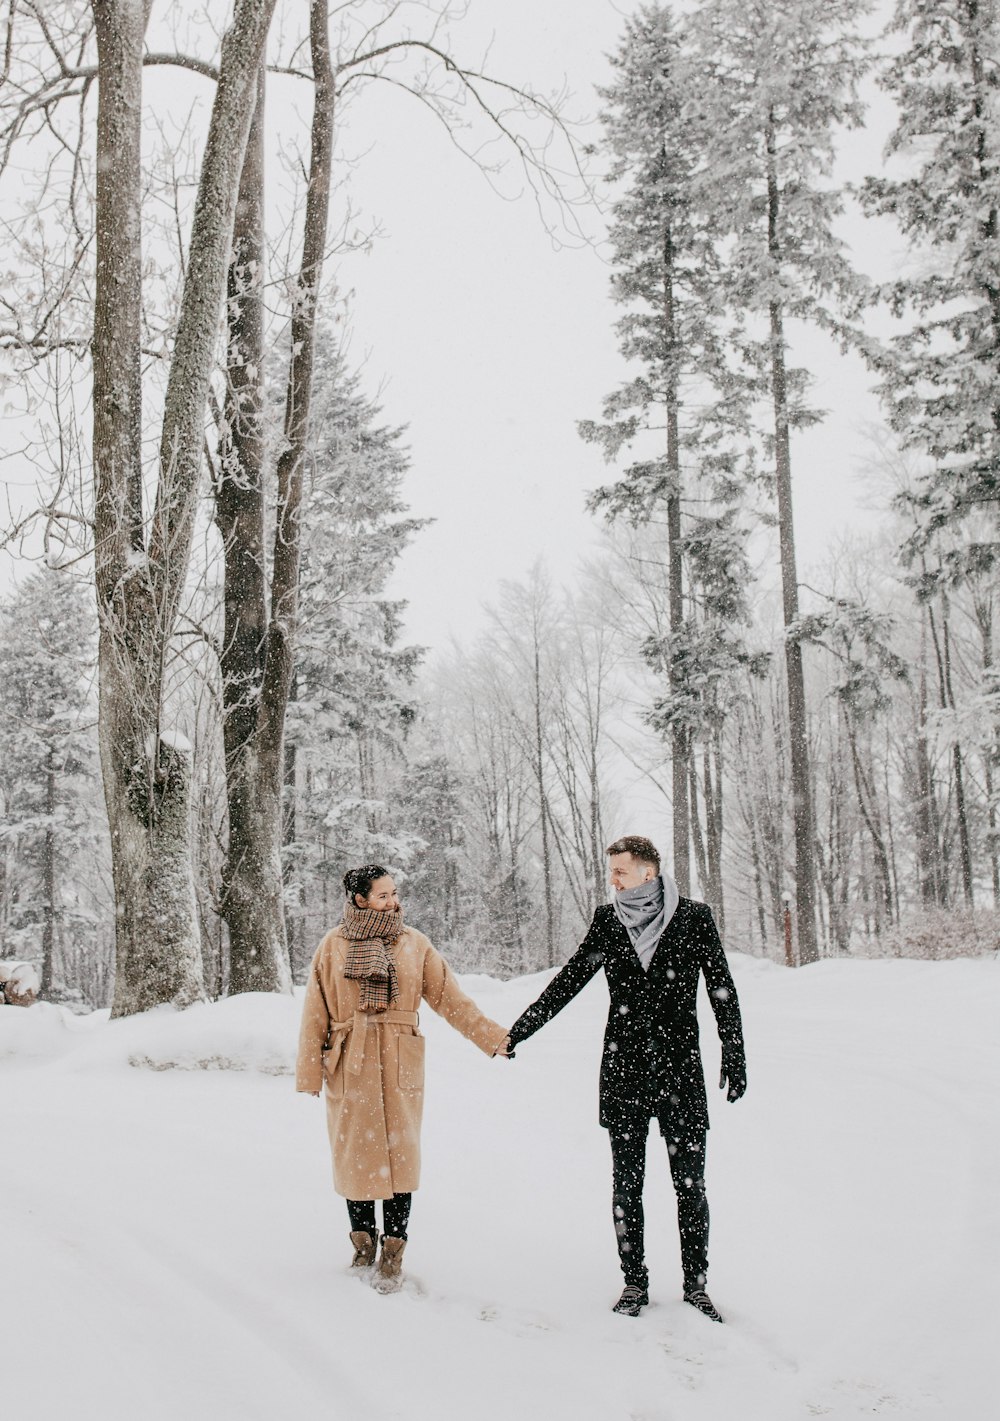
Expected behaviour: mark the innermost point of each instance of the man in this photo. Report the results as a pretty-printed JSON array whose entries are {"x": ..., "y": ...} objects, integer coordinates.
[{"x": 653, "y": 946}]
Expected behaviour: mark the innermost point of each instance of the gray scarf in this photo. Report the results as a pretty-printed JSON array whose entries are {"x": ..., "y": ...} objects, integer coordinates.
[{"x": 645, "y": 911}]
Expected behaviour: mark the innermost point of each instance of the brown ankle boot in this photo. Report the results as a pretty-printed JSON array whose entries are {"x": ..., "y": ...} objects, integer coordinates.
[
  {"x": 364, "y": 1249},
  {"x": 388, "y": 1276}
]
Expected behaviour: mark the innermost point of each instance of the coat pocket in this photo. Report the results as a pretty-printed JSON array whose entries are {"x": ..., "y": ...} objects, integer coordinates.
[
  {"x": 333, "y": 1067},
  {"x": 411, "y": 1062}
]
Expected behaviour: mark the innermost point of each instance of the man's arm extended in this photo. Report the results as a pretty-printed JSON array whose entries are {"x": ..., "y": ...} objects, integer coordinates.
[{"x": 585, "y": 962}]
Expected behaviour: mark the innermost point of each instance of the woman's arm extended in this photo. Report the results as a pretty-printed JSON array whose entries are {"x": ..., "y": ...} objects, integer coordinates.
[{"x": 442, "y": 992}]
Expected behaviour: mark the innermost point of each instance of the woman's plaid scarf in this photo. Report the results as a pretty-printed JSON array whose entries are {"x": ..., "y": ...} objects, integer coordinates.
[{"x": 370, "y": 961}]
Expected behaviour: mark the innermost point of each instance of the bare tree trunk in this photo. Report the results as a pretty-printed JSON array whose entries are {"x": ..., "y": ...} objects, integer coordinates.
[
  {"x": 680, "y": 748},
  {"x": 713, "y": 827},
  {"x": 262, "y": 656},
  {"x": 290, "y": 868},
  {"x": 49, "y": 876},
  {"x": 596, "y": 841},
  {"x": 550, "y": 942},
  {"x": 984, "y": 619},
  {"x": 694, "y": 821},
  {"x": 942, "y": 649},
  {"x": 252, "y": 901},
  {"x": 805, "y": 872},
  {"x": 147, "y": 768},
  {"x": 890, "y": 831},
  {"x": 927, "y": 871},
  {"x": 868, "y": 806},
  {"x": 279, "y": 654},
  {"x": 146, "y": 783}
]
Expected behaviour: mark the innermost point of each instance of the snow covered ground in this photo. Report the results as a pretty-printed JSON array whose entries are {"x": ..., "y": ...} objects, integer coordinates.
[{"x": 172, "y": 1249}]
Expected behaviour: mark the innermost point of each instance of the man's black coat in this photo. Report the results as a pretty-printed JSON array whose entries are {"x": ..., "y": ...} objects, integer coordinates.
[{"x": 652, "y": 1060}]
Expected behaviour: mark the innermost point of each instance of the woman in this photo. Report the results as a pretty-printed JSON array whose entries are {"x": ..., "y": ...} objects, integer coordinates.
[{"x": 360, "y": 1040}]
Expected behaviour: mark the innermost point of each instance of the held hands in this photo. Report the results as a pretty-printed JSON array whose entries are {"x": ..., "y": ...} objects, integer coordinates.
[
  {"x": 504, "y": 1049},
  {"x": 734, "y": 1073}
]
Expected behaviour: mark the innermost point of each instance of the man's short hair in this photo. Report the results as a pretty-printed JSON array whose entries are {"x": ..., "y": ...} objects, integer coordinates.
[{"x": 642, "y": 849}]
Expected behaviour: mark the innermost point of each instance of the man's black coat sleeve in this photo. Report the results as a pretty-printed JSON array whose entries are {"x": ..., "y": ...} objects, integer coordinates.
[
  {"x": 586, "y": 961},
  {"x": 721, "y": 987}
]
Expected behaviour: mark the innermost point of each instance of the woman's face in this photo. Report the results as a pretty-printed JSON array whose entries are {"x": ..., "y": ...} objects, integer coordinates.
[{"x": 382, "y": 896}]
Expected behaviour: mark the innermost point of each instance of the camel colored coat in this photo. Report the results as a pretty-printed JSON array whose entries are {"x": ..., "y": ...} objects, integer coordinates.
[{"x": 372, "y": 1063}]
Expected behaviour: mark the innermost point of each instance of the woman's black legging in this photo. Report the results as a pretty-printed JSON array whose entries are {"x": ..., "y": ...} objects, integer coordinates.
[{"x": 395, "y": 1215}]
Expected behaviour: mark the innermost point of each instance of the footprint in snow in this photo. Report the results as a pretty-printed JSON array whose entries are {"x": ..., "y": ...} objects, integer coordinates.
[{"x": 520, "y": 1324}]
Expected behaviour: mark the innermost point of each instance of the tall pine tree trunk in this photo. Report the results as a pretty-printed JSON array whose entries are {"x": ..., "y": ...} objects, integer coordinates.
[
  {"x": 290, "y": 868},
  {"x": 927, "y": 857},
  {"x": 984, "y": 618},
  {"x": 49, "y": 875},
  {"x": 802, "y": 819},
  {"x": 543, "y": 808},
  {"x": 712, "y": 760},
  {"x": 679, "y": 735},
  {"x": 942, "y": 651}
]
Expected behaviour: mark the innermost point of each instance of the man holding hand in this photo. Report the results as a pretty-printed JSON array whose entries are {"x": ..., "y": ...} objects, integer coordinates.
[{"x": 653, "y": 946}]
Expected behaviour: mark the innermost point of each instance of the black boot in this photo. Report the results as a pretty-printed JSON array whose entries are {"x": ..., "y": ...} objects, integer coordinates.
[
  {"x": 632, "y": 1301},
  {"x": 699, "y": 1299}
]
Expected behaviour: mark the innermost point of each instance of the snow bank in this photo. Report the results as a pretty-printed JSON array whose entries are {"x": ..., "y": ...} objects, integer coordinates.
[{"x": 252, "y": 1032}]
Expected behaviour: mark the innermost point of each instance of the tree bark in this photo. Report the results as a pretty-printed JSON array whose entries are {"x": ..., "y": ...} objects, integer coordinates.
[
  {"x": 259, "y": 955},
  {"x": 252, "y": 900},
  {"x": 157, "y": 949},
  {"x": 49, "y": 876},
  {"x": 927, "y": 858},
  {"x": 550, "y": 948},
  {"x": 146, "y": 769},
  {"x": 984, "y": 619},
  {"x": 802, "y": 819},
  {"x": 712, "y": 759},
  {"x": 868, "y": 805},
  {"x": 942, "y": 651},
  {"x": 263, "y": 655},
  {"x": 679, "y": 737}
]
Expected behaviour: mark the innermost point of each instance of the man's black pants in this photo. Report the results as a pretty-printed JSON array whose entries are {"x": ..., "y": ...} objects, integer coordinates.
[{"x": 686, "y": 1152}]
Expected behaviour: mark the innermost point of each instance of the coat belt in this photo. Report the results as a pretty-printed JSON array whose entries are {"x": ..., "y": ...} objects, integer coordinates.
[{"x": 356, "y": 1029}]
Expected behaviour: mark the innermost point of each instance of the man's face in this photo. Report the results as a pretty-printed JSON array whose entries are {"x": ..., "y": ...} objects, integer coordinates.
[
  {"x": 383, "y": 897},
  {"x": 629, "y": 872}
]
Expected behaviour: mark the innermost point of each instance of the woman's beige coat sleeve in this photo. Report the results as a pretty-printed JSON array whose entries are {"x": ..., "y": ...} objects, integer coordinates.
[
  {"x": 442, "y": 992},
  {"x": 312, "y": 1033}
]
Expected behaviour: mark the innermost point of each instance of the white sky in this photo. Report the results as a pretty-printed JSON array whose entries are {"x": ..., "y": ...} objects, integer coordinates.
[{"x": 491, "y": 343}]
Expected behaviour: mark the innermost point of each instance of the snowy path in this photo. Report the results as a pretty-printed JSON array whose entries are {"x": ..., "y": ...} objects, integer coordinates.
[{"x": 178, "y": 1255}]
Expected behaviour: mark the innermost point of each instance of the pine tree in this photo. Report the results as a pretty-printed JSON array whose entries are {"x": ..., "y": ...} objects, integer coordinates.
[
  {"x": 687, "y": 405},
  {"x": 432, "y": 807},
  {"x": 859, "y": 640},
  {"x": 352, "y": 699},
  {"x": 712, "y": 658},
  {"x": 941, "y": 375},
  {"x": 48, "y": 766},
  {"x": 777, "y": 78}
]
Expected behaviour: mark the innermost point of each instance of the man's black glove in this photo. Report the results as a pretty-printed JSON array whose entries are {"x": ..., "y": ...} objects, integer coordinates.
[{"x": 734, "y": 1072}]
